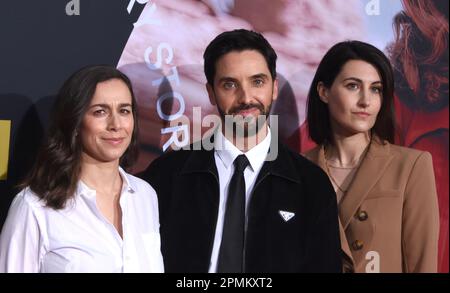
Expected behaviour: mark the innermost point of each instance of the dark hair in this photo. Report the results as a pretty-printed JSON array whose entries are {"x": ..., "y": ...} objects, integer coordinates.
[
  {"x": 237, "y": 40},
  {"x": 318, "y": 116},
  {"x": 56, "y": 171},
  {"x": 420, "y": 54}
]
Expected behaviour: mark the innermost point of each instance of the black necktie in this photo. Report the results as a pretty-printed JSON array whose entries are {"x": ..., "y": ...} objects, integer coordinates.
[{"x": 232, "y": 246}]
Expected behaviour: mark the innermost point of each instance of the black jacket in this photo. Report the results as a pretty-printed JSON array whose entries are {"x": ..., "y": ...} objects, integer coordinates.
[{"x": 187, "y": 185}]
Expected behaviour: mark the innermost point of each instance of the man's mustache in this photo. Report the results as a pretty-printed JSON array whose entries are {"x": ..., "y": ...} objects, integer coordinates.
[{"x": 239, "y": 108}]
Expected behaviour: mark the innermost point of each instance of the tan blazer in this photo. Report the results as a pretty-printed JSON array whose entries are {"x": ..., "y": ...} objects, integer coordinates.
[{"x": 389, "y": 216}]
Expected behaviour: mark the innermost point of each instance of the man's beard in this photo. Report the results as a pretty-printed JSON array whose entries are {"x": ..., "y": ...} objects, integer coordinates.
[{"x": 247, "y": 126}]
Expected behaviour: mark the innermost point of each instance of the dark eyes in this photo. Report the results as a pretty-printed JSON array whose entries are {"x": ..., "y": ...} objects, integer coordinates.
[
  {"x": 102, "y": 112},
  {"x": 99, "y": 112},
  {"x": 356, "y": 86},
  {"x": 377, "y": 90},
  {"x": 125, "y": 111},
  {"x": 258, "y": 82},
  {"x": 352, "y": 86},
  {"x": 229, "y": 85}
]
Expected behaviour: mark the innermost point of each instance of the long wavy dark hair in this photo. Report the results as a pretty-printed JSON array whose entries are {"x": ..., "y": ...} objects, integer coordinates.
[
  {"x": 56, "y": 171},
  {"x": 420, "y": 54}
]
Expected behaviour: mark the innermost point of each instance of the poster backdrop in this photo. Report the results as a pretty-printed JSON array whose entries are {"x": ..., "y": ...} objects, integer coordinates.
[{"x": 159, "y": 45}]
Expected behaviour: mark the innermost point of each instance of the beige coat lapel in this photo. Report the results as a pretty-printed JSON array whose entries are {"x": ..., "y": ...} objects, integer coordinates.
[
  {"x": 344, "y": 243},
  {"x": 373, "y": 166},
  {"x": 371, "y": 169}
]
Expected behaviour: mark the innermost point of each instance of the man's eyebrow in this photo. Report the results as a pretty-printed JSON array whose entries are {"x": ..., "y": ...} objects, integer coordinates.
[
  {"x": 260, "y": 75},
  {"x": 227, "y": 78}
]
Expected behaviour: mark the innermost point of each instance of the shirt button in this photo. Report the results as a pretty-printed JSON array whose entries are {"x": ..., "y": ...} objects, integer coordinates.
[
  {"x": 357, "y": 244},
  {"x": 362, "y": 215}
]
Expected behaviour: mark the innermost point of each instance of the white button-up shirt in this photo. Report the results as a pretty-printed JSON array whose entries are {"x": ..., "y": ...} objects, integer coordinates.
[
  {"x": 78, "y": 238},
  {"x": 225, "y": 153}
]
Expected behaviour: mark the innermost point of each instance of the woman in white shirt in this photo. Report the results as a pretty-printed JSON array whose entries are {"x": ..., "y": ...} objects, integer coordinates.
[{"x": 79, "y": 211}]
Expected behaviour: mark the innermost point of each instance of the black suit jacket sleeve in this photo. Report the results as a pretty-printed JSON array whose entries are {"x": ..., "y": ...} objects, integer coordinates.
[{"x": 160, "y": 181}]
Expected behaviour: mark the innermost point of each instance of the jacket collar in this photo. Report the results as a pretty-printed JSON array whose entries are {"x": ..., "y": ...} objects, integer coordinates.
[
  {"x": 200, "y": 161},
  {"x": 282, "y": 166}
]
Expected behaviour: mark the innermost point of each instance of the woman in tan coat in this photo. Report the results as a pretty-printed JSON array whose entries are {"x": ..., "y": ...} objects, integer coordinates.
[{"x": 386, "y": 194}]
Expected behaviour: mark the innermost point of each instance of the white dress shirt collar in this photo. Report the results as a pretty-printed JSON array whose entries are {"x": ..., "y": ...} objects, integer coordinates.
[
  {"x": 228, "y": 152},
  {"x": 83, "y": 189}
]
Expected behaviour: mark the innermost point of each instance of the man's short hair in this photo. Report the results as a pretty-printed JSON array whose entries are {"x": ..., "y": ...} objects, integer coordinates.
[{"x": 237, "y": 40}]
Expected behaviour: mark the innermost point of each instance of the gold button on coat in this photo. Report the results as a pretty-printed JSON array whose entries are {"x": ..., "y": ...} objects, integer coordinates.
[
  {"x": 357, "y": 244},
  {"x": 362, "y": 215}
]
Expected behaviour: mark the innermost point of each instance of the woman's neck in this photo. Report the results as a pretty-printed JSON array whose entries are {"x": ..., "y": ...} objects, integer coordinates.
[
  {"x": 346, "y": 151},
  {"x": 103, "y": 177}
]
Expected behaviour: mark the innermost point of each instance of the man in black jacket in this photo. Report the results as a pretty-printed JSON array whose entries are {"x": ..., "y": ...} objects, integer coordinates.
[{"x": 249, "y": 204}]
